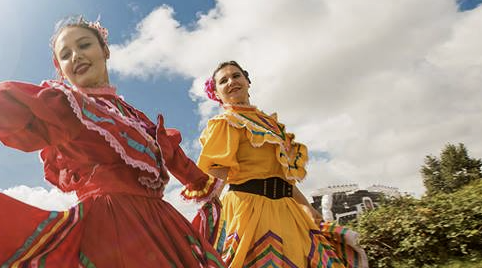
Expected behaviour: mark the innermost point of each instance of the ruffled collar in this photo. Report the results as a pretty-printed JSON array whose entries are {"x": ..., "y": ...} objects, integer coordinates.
[
  {"x": 239, "y": 107},
  {"x": 105, "y": 90}
]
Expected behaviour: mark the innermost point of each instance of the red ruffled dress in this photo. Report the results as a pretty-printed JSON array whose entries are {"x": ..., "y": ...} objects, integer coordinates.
[{"x": 116, "y": 160}]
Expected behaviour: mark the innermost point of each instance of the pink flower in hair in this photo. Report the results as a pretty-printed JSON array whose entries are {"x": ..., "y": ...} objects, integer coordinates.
[
  {"x": 103, "y": 32},
  {"x": 210, "y": 88}
]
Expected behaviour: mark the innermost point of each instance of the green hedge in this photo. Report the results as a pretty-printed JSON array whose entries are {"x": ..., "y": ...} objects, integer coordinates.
[{"x": 431, "y": 231}]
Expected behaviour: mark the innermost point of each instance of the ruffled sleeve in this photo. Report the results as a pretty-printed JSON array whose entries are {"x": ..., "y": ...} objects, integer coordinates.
[
  {"x": 33, "y": 117},
  {"x": 220, "y": 143},
  {"x": 198, "y": 186}
]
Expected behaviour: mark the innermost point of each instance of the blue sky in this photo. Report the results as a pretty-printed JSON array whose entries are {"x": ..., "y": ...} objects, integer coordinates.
[
  {"x": 371, "y": 89},
  {"x": 468, "y": 4},
  {"x": 28, "y": 58}
]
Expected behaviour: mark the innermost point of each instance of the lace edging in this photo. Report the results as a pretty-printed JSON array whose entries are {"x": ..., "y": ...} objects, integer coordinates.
[
  {"x": 246, "y": 124},
  {"x": 112, "y": 141}
]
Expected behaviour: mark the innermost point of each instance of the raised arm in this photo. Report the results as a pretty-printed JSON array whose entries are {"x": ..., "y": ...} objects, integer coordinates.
[
  {"x": 199, "y": 186},
  {"x": 33, "y": 117}
]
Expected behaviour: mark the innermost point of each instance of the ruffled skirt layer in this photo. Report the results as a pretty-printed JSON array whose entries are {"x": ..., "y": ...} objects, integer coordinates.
[
  {"x": 255, "y": 231},
  {"x": 113, "y": 230}
]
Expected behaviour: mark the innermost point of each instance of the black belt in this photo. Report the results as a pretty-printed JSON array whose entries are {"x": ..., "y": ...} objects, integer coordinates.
[{"x": 274, "y": 188}]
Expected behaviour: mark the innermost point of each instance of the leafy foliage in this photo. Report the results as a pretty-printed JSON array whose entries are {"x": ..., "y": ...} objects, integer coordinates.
[
  {"x": 443, "y": 229},
  {"x": 429, "y": 231},
  {"x": 453, "y": 170}
]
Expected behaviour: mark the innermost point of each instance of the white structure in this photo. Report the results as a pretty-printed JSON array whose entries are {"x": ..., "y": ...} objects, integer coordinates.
[
  {"x": 344, "y": 202},
  {"x": 387, "y": 190},
  {"x": 336, "y": 189},
  {"x": 326, "y": 204}
]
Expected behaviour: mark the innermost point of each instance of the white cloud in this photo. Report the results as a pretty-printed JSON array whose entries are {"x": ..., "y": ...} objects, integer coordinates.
[
  {"x": 378, "y": 84},
  {"x": 54, "y": 199},
  {"x": 40, "y": 197},
  {"x": 172, "y": 195}
]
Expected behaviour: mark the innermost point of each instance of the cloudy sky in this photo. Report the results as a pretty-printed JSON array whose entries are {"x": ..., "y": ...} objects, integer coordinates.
[{"x": 371, "y": 87}]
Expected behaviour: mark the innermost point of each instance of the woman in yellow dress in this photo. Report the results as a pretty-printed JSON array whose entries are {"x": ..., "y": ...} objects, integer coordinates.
[{"x": 265, "y": 220}]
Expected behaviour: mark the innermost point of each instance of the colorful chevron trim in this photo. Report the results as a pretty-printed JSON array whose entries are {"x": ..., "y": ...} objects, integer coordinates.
[
  {"x": 339, "y": 236},
  {"x": 45, "y": 238},
  {"x": 205, "y": 258},
  {"x": 230, "y": 247},
  {"x": 267, "y": 252},
  {"x": 322, "y": 254}
]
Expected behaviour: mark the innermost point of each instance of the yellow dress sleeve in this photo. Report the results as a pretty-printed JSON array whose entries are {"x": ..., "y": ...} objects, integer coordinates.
[{"x": 220, "y": 143}]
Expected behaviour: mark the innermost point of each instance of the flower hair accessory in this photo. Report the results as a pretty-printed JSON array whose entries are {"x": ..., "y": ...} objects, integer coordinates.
[
  {"x": 103, "y": 32},
  {"x": 76, "y": 21},
  {"x": 210, "y": 88}
]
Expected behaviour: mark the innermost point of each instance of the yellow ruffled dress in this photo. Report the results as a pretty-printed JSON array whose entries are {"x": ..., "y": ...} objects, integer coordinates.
[{"x": 256, "y": 231}]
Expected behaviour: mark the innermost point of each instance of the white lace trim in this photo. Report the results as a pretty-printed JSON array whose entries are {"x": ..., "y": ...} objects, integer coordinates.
[
  {"x": 279, "y": 142},
  {"x": 112, "y": 141},
  {"x": 246, "y": 122},
  {"x": 153, "y": 183}
]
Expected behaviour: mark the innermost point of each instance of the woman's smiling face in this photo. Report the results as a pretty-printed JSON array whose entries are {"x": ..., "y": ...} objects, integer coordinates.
[
  {"x": 81, "y": 57},
  {"x": 231, "y": 85}
]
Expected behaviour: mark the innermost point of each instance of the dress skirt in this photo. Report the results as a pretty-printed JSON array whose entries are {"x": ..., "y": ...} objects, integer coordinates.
[
  {"x": 111, "y": 230},
  {"x": 255, "y": 231}
]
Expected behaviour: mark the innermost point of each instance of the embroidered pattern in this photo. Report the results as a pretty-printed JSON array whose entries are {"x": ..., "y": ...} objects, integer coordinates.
[
  {"x": 46, "y": 237},
  {"x": 205, "y": 258},
  {"x": 268, "y": 252},
  {"x": 205, "y": 194},
  {"x": 229, "y": 248},
  {"x": 206, "y": 221},
  {"x": 222, "y": 238},
  {"x": 263, "y": 129},
  {"x": 344, "y": 242},
  {"x": 137, "y": 146},
  {"x": 104, "y": 121},
  {"x": 263, "y": 121},
  {"x": 94, "y": 117}
]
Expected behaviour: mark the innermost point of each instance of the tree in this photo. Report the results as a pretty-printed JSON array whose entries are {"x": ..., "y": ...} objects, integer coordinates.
[
  {"x": 453, "y": 170},
  {"x": 409, "y": 232}
]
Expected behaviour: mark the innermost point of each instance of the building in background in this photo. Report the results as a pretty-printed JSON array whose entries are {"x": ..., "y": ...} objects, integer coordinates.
[{"x": 343, "y": 203}]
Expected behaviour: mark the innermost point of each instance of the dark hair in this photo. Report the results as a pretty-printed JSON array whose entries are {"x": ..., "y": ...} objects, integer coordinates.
[
  {"x": 233, "y": 63},
  {"x": 74, "y": 21}
]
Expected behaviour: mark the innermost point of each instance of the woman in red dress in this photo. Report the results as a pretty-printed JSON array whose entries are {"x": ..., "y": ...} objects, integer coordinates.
[{"x": 115, "y": 159}]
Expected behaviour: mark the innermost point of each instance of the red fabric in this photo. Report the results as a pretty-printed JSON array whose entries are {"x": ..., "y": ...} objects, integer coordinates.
[
  {"x": 33, "y": 117},
  {"x": 182, "y": 167},
  {"x": 206, "y": 220},
  {"x": 18, "y": 223},
  {"x": 124, "y": 224}
]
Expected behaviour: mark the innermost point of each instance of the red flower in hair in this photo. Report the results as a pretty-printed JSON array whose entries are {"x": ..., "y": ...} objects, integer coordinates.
[{"x": 210, "y": 88}]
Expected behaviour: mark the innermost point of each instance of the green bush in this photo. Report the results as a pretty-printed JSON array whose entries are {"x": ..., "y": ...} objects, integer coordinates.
[{"x": 431, "y": 231}]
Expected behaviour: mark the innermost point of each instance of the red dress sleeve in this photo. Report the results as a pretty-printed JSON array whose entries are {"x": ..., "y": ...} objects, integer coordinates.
[
  {"x": 198, "y": 185},
  {"x": 33, "y": 117}
]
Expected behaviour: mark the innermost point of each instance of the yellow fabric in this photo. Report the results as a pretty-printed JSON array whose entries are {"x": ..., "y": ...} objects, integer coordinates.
[
  {"x": 254, "y": 146},
  {"x": 250, "y": 150},
  {"x": 250, "y": 217},
  {"x": 203, "y": 194}
]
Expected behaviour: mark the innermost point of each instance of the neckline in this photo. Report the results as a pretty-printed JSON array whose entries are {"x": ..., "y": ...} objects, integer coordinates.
[
  {"x": 104, "y": 90},
  {"x": 240, "y": 107}
]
